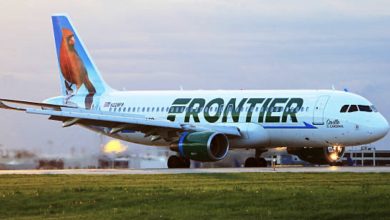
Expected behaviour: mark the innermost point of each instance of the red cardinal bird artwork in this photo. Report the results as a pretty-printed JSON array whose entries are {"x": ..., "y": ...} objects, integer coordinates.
[{"x": 73, "y": 69}]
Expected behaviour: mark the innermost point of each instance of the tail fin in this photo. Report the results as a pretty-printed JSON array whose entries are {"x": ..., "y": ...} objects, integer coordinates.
[{"x": 79, "y": 75}]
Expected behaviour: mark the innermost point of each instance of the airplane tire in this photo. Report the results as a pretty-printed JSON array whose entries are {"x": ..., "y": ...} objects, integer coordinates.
[
  {"x": 261, "y": 162},
  {"x": 253, "y": 162},
  {"x": 187, "y": 163},
  {"x": 178, "y": 162},
  {"x": 336, "y": 164},
  {"x": 250, "y": 162}
]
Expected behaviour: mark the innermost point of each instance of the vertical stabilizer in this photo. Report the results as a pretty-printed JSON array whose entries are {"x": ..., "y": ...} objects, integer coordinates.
[{"x": 79, "y": 76}]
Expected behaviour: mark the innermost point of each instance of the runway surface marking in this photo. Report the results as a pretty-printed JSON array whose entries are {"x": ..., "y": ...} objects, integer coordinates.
[{"x": 201, "y": 170}]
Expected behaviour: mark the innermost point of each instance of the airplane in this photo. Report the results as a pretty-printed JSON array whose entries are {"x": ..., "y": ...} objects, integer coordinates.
[{"x": 315, "y": 125}]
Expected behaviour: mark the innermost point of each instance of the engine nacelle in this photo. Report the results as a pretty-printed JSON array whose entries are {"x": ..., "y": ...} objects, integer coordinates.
[
  {"x": 203, "y": 146},
  {"x": 320, "y": 156}
]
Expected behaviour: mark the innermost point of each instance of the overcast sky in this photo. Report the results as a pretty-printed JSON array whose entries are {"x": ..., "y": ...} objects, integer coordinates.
[{"x": 139, "y": 45}]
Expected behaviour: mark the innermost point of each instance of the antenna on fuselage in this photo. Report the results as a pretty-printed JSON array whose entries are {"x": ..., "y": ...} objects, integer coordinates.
[{"x": 346, "y": 90}]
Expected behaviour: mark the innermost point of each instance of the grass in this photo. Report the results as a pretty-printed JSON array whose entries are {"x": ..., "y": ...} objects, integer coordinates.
[{"x": 196, "y": 196}]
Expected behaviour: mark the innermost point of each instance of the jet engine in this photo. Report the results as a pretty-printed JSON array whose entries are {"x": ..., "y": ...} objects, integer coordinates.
[
  {"x": 320, "y": 156},
  {"x": 203, "y": 146}
]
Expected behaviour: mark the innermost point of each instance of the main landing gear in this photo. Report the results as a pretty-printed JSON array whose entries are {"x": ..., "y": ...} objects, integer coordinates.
[
  {"x": 178, "y": 162},
  {"x": 256, "y": 161}
]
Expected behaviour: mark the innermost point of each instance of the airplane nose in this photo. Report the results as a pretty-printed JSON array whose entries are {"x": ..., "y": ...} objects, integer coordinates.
[{"x": 382, "y": 127}]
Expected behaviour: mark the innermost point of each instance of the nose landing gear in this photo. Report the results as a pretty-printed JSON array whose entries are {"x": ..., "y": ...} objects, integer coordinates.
[{"x": 334, "y": 155}]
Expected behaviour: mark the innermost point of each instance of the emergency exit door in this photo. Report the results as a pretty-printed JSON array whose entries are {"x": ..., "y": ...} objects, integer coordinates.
[{"x": 319, "y": 110}]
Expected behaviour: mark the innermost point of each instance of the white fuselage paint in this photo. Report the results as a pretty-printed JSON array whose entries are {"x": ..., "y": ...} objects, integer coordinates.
[{"x": 319, "y": 122}]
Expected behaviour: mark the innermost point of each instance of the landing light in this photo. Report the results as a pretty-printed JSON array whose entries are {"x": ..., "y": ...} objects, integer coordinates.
[
  {"x": 334, "y": 156},
  {"x": 114, "y": 146}
]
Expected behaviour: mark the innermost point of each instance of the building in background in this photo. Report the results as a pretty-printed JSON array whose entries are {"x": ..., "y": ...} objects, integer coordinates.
[{"x": 113, "y": 154}]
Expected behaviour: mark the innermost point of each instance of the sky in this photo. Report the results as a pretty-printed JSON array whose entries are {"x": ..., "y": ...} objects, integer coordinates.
[{"x": 194, "y": 44}]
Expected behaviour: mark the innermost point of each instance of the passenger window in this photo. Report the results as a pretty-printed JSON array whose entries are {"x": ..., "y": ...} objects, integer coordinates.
[
  {"x": 365, "y": 108},
  {"x": 133, "y": 109},
  {"x": 344, "y": 108},
  {"x": 143, "y": 109},
  {"x": 162, "y": 109},
  {"x": 353, "y": 108},
  {"x": 153, "y": 109}
]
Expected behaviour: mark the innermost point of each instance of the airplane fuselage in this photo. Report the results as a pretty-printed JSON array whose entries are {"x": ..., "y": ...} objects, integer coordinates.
[{"x": 269, "y": 118}]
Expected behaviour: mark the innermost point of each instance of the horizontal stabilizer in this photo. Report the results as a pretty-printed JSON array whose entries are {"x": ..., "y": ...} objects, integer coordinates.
[{"x": 22, "y": 105}]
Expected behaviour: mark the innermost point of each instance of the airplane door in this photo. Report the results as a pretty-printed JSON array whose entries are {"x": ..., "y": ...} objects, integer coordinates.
[{"x": 319, "y": 110}]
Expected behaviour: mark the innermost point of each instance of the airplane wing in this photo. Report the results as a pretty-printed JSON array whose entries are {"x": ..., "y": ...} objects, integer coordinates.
[{"x": 116, "y": 122}]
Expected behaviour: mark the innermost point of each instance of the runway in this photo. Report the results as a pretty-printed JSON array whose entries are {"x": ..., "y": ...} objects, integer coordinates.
[{"x": 199, "y": 171}]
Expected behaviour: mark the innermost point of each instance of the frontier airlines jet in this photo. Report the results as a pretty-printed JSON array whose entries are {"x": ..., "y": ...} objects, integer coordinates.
[{"x": 315, "y": 125}]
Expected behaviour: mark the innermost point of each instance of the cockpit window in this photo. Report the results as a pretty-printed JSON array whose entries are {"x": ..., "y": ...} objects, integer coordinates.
[
  {"x": 356, "y": 108},
  {"x": 353, "y": 108},
  {"x": 364, "y": 108},
  {"x": 344, "y": 108}
]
